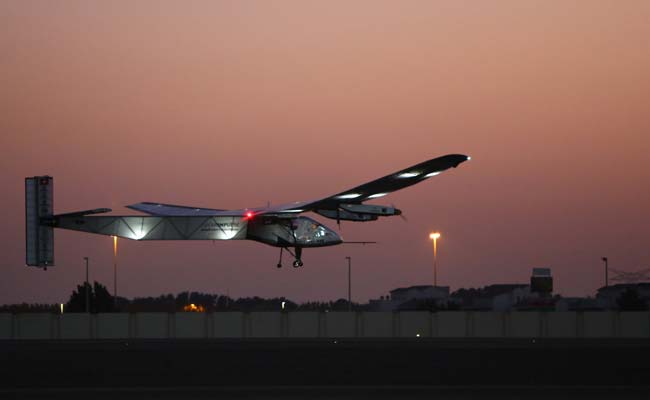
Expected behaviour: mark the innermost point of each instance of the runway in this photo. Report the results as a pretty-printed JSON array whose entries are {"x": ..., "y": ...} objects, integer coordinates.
[
  {"x": 324, "y": 368},
  {"x": 337, "y": 392}
]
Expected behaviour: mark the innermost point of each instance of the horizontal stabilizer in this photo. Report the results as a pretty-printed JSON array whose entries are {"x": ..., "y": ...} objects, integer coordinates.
[{"x": 86, "y": 212}]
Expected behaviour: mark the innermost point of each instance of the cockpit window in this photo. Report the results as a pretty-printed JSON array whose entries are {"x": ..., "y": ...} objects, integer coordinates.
[{"x": 308, "y": 230}]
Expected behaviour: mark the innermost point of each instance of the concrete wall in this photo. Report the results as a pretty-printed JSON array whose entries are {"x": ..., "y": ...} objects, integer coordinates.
[
  {"x": 36, "y": 326},
  {"x": 341, "y": 325},
  {"x": 75, "y": 326},
  {"x": 406, "y": 324},
  {"x": 450, "y": 324},
  {"x": 561, "y": 324},
  {"x": 488, "y": 324},
  {"x": 377, "y": 324},
  {"x": 304, "y": 324},
  {"x": 6, "y": 326},
  {"x": 524, "y": 324},
  {"x": 414, "y": 324},
  {"x": 633, "y": 325},
  {"x": 227, "y": 325},
  {"x": 265, "y": 324},
  {"x": 190, "y": 325},
  {"x": 152, "y": 325},
  {"x": 598, "y": 324},
  {"x": 113, "y": 326}
]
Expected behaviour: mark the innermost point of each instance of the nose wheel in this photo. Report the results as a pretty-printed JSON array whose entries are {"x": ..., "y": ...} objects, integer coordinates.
[{"x": 297, "y": 264}]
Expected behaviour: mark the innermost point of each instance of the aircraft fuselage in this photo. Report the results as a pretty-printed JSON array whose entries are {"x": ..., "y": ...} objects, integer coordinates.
[{"x": 297, "y": 231}]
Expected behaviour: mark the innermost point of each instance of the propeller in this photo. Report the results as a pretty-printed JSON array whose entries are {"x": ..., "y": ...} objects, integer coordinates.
[
  {"x": 338, "y": 217},
  {"x": 399, "y": 212}
]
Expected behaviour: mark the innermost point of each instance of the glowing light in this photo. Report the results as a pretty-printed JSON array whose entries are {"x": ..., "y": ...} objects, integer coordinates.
[
  {"x": 469, "y": 158},
  {"x": 349, "y": 196},
  {"x": 429, "y": 175},
  {"x": 408, "y": 174},
  {"x": 61, "y": 308},
  {"x": 140, "y": 235},
  {"x": 248, "y": 215},
  {"x": 374, "y": 196},
  {"x": 417, "y": 335},
  {"x": 434, "y": 235},
  {"x": 283, "y": 303},
  {"x": 194, "y": 308}
]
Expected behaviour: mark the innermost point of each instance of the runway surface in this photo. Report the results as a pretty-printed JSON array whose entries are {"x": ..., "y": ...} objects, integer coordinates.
[
  {"x": 325, "y": 368},
  {"x": 339, "y": 393}
]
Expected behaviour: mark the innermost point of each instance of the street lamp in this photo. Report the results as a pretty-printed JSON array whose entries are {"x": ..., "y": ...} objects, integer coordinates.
[
  {"x": 349, "y": 283},
  {"x": 435, "y": 236},
  {"x": 87, "y": 288},
  {"x": 115, "y": 273}
]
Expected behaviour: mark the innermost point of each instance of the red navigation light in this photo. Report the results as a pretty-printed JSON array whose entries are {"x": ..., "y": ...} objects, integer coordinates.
[{"x": 249, "y": 214}]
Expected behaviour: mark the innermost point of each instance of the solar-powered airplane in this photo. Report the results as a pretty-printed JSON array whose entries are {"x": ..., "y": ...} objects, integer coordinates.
[{"x": 279, "y": 226}]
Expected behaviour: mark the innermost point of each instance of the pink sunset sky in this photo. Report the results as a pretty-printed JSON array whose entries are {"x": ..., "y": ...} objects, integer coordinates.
[{"x": 230, "y": 104}]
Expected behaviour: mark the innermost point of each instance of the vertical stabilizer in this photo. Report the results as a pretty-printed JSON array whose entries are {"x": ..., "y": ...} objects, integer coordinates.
[{"x": 39, "y": 238}]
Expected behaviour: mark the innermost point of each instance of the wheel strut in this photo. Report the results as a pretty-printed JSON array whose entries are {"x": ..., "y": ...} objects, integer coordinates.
[{"x": 280, "y": 261}]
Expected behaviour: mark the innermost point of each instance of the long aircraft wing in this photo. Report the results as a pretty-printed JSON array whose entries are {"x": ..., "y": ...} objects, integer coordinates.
[
  {"x": 389, "y": 183},
  {"x": 170, "y": 210},
  {"x": 357, "y": 195}
]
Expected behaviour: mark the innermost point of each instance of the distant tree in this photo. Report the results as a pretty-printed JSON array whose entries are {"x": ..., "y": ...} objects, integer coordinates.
[
  {"x": 630, "y": 300},
  {"x": 77, "y": 302},
  {"x": 100, "y": 299},
  {"x": 103, "y": 301}
]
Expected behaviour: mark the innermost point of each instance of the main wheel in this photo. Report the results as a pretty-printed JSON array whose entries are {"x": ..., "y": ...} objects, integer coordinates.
[
  {"x": 300, "y": 263},
  {"x": 297, "y": 264},
  {"x": 279, "y": 265}
]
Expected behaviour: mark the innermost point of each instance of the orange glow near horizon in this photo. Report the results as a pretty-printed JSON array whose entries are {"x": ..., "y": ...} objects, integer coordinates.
[{"x": 193, "y": 308}]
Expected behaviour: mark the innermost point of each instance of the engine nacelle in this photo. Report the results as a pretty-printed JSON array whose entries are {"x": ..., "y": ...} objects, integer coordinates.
[
  {"x": 371, "y": 209},
  {"x": 343, "y": 215}
]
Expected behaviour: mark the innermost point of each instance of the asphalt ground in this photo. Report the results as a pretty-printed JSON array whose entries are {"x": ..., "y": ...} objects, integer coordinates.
[
  {"x": 338, "y": 393},
  {"x": 325, "y": 368}
]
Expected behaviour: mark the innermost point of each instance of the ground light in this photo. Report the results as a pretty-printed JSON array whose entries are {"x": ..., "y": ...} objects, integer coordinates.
[
  {"x": 115, "y": 272},
  {"x": 435, "y": 236}
]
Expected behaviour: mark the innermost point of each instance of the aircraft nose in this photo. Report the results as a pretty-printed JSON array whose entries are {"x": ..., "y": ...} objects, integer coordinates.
[{"x": 398, "y": 211}]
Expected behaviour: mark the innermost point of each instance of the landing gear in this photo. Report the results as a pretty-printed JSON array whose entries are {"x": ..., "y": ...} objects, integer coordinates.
[
  {"x": 280, "y": 260},
  {"x": 298, "y": 261}
]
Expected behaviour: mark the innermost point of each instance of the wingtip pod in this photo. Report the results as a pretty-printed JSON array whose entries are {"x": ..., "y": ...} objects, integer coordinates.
[
  {"x": 461, "y": 159},
  {"x": 439, "y": 164}
]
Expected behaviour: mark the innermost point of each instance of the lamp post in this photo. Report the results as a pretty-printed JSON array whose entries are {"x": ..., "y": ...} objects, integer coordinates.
[
  {"x": 435, "y": 236},
  {"x": 606, "y": 271},
  {"x": 115, "y": 273},
  {"x": 349, "y": 283},
  {"x": 87, "y": 288}
]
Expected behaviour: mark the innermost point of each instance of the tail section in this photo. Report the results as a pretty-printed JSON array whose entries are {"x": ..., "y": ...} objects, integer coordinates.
[{"x": 39, "y": 238}]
